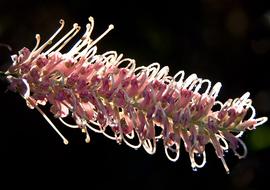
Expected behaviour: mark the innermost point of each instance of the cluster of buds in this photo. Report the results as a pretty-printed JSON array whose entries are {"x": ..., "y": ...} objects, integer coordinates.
[{"x": 108, "y": 94}]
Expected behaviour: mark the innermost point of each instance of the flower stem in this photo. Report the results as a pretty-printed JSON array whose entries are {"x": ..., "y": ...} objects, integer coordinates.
[{"x": 3, "y": 75}]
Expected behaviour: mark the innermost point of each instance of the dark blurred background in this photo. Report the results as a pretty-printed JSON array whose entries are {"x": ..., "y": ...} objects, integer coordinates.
[{"x": 222, "y": 40}]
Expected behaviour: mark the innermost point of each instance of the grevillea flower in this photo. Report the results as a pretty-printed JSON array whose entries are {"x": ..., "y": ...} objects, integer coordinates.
[{"x": 107, "y": 94}]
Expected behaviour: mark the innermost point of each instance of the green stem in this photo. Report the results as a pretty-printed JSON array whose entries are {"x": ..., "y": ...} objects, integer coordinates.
[{"x": 3, "y": 75}]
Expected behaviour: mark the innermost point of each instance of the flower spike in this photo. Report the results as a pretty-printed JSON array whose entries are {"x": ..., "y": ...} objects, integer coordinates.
[{"x": 107, "y": 94}]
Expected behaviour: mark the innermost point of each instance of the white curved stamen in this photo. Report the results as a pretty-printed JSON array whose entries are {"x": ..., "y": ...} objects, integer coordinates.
[
  {"x": 139, "y": 70},
  {"x": 239, "y": 134},
  {"x": 27, "y": 92},
  {"x": 92, "y": 60},
  {"x": 149, "y": 147},
  {"x": 93, "y": 122},
  {"x": 68, "y": 125},
  {"x": 244, "y": 97},
  {"x": 130, "y": 136},
  {"x": 100, "y": 130},
  {"x": 162, "y": 73},
  {"x": 219, "y": 103},
  {"x": 152, "y": 70},
  {"x": 91, "y": 52},
  {"x": 168, "y": 81},
  {"x": 227, "y": 104},
  {"x": 260, "y": 121},
  {"x": 196, "y": 83},
  {"x": 131, "y": 65},
  {"x": 244, "y": 149},
  {"x": 110, "y": 58},
  {"x": 176, "y": 150},
  {"x": 247, "y": 104},
  {"x": 131, "y": 145},
  {"x": 125, "y": 60},
  {"x": 194, "y": 164},
  {"x": 253, "y": 112},
  {"x": 215, "y": 90},
  {"x": 109, "y": 136},
  {"x": 179, "y": 83},
  {"x": 85, "y": 52},
  {"x": 118, "y": 59},
  {"x": 189, "y": 80},
  {"x": 242, "y": 100},
  {"x": 208, "y": 86},
  {"x": 225, "y": 146},
  {"x": 235, "y": 101}
]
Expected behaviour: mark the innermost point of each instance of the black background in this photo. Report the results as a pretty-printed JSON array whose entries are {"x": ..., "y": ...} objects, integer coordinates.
[{"x": 222, "y": 40}]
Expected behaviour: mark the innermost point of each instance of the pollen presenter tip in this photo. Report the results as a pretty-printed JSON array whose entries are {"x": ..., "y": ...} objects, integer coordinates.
[
  {"x": 111, "y": 26},
  {"x": 66, "y": 142}
]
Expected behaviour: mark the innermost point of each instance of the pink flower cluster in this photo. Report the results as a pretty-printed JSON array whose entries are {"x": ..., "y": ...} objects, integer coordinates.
[{"x": 107, "y": 94}]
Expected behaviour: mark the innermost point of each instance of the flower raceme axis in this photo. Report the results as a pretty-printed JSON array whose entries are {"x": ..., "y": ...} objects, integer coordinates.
[{"x": 108, "y": 94}]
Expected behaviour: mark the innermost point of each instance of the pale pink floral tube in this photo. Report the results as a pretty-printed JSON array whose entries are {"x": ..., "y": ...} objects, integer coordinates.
[{"x": 108, "y": 94}]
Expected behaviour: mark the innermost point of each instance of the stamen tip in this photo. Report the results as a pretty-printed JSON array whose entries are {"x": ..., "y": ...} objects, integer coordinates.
[
  {"x": 91, "y": 19},
  {"x": 65, "y": 141},
  {"x": 111, "y": 26},
  {"x": 61, "y": 21},
  {"x": 87, "y": 140}
]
